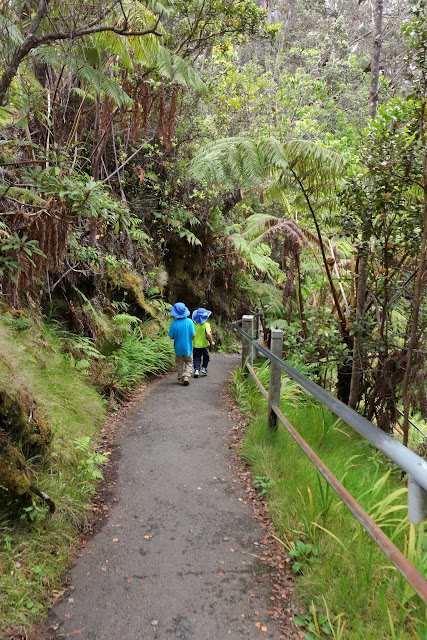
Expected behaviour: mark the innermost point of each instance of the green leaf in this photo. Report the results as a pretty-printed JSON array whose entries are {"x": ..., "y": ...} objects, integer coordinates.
[{"x": 22, "y": 122}]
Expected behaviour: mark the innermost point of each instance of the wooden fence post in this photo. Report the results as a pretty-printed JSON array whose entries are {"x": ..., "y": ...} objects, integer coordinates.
[
  {"x": 247, "y": 349},
  {"x": 276, "y": 348}
]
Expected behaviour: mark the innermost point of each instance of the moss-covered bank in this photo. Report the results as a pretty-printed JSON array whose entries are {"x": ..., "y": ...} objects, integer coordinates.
[{"x": 50, "y": 415}]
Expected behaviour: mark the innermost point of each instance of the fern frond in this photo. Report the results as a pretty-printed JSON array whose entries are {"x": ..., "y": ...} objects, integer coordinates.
[
  {"x": 26, "y": 196},
  {"x": 243, "y": 162},
  {"x": 94, "y": 79},
  {"x": 258, "y": 257},
  {"x": 184, "y": 74},
  {"x": 162, "y": 62},
  {"x": 231, "y": 162},
  {"x": 260, "y": 226},
  {"x": 11, "y": 35},
  {"x": 167, "y": 7},
  {"x": 116, "y": 45},
  {"x": 138, "y": 16}
]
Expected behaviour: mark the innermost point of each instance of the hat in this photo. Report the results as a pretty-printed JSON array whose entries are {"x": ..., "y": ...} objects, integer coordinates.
[
  {"x": 179, "y": 310},
  {"x": 201, "y": 315}
]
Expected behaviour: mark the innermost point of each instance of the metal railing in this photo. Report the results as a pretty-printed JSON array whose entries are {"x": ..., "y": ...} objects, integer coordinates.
[{"x": 408, "y": 461}]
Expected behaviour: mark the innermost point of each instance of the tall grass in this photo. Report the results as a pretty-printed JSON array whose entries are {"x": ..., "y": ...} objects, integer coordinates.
[{"x": 349, "y": 575}]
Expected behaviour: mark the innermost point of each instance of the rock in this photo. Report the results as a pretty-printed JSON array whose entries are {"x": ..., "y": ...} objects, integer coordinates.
[
  {"x": 14, "y": 476},
  {"x": 23, "y": 421}
]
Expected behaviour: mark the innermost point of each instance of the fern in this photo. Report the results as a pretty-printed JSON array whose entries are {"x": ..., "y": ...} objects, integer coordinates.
[
  {"x": 125, "y": 322},
  {"x": 136, "y": 358},
  {"x": 258, "y": 257},
  {"x": 11, "y": 35},
  {"x": 189, "y": 237},
  {"x": 95, "y": 80},
  {"x": 242, "y": 162},
  {"x": 26, "y": 196},
  {"x": 184, "y": 74}
]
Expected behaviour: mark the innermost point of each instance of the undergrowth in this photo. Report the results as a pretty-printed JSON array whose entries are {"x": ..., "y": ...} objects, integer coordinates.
[
  {"x": 341, "y": 575},
  {"x": 72, "y": 379}
]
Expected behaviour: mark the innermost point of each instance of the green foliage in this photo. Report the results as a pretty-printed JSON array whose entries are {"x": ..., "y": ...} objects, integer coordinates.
[
  {"x": 97, "y": 81},
  {"x": 89, "y": 460},
  {"x": 242, "y": 162},
  {"x": 309, "y": 516},
  {"x": 302, "y": 554},
  {"x": 137, "y": 357},
  {"x": 10, "y": 246},
  {"x": 263, "y": 484},
  {"x": 19, "y": 323},
  {"x": 319, "y": 626}
]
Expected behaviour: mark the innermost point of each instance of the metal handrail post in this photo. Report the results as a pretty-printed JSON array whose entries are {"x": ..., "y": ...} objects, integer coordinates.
[
  {"x": 247, "y": 347},
  {"x": 275, "y": 378}
]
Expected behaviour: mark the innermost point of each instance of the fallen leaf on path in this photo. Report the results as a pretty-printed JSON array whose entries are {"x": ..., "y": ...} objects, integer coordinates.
[
  {"x": 256, "y": 613},
  {"x": 154, "y": 622},
  {"x": 264, "y": 628},
  {"x": 115, "y": 539},
  {"x": 130, "y": 580},
  {"x": 258, "y": 624},
  {"x": 146, "y": 537}
]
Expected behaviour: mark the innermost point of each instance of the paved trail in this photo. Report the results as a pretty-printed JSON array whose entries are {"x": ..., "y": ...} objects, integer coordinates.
[{"x": 174, "y": 559}]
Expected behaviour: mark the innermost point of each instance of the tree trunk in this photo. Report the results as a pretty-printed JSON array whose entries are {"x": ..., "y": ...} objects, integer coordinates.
[
  {"x": 375, "y": 57},
  {"x": 362, "y": 279},
  {"x": 418, "y": 283},
  {"x": 356, "y": 374},
  {"x": 300, "y": 303},
  {"x": 289, "y": 16}
]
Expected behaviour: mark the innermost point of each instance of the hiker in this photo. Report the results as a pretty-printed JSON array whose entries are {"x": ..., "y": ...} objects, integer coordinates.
[
  {"x": 201, "y": 341},
  {"x": 182, "y": 332}
]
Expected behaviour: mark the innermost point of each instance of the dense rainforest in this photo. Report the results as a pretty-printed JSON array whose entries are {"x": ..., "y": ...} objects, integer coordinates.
[{"x": 266, "y": 156}]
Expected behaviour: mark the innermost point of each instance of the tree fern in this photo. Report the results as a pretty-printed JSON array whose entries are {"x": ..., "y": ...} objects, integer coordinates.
[
  {"x": 260, "y": 226},
  {"x": 242, "y": 162},
  {"x": 95, "y": 80},
  {"x": 183, "y": 73}
]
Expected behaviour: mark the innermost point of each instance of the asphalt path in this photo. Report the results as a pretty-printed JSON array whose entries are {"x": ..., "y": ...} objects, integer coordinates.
[{"x": 176, "y": 557}]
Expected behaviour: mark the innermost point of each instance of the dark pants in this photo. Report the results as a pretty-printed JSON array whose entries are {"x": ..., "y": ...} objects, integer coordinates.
[{"x": 200, "y": 356}]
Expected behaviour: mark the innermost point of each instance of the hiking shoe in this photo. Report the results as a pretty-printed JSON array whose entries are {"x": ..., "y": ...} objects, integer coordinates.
[
  {"x": 186, "y": 382},
  {"x": 204, "y": 371},
  {"x": 180, "y": 381},
  {"x": 196, "y": 373}
]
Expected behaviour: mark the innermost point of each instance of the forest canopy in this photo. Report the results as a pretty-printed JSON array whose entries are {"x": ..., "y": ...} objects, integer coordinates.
[{"x": 241, "y": 154}]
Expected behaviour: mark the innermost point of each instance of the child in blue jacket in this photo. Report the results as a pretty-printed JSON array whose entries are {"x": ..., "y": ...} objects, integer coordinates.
[{"x": 182, "y": 332}]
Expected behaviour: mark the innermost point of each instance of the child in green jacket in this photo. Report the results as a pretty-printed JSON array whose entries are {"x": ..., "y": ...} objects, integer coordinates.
[{"x": 201, "y": 342}]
